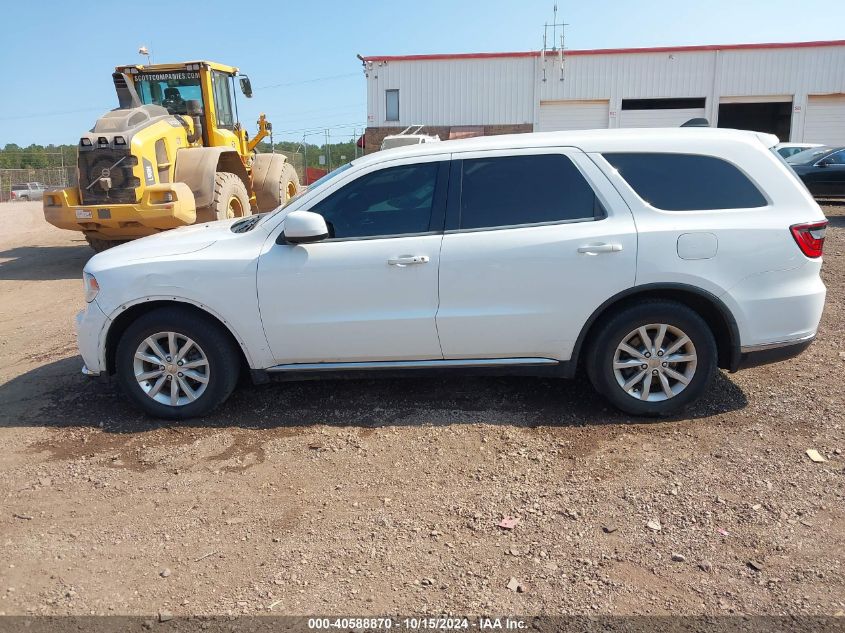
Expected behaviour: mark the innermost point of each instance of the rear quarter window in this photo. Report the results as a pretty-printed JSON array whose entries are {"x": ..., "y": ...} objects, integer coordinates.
[
  {"x": 686, "y": 182},
  {"x": 517, "y": 190}
]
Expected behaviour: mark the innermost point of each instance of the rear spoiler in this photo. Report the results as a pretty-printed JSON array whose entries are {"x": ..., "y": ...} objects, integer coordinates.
[{"x": 769, "y": 140}]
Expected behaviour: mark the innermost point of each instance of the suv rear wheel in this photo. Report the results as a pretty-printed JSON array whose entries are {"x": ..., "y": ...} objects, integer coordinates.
[
  {"x": 653, "y": 358},
  {"x": 176, "y": 364}
]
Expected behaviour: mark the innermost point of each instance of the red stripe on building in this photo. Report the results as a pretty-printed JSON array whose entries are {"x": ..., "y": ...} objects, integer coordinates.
[{"x": 608, "y": 51}]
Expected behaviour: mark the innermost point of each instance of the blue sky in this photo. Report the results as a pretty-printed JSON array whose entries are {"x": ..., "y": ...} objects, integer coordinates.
[{"x": 57, "y": 56}]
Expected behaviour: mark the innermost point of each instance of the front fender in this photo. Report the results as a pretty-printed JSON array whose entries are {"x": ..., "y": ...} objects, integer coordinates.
[{"x": 114, "y": 316}]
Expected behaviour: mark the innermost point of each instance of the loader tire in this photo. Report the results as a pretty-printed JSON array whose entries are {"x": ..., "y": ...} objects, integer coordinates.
[
  {"x": 99, "y": 245},
  {"x": 275, "y": 181},
  {"x": 230, "y": 199}
]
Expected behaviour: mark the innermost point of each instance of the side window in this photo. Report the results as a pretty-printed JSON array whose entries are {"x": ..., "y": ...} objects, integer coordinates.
[
  {"x": 391, "y": 105},
  {"x": 221, "y": 84},
  {"x": 391, "y": 201},
  {"x": 510, "y": 190},
  {"x": 686, "y": 182},
  {"x": 836, "y": 159}
]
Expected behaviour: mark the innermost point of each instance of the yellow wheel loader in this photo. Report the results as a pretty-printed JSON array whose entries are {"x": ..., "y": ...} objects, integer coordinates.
[{"x": 173, "y": 153}]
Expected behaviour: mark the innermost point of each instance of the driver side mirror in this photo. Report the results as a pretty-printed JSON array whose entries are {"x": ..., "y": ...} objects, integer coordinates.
[
  {"x": 825, "y": 163},
  {"x": 246, "y": 86},
  {"x": 303, "y": 227}
]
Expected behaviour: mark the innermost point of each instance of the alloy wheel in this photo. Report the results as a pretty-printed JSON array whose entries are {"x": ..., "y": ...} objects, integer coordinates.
[
  {"x": 171, "y": 368},
  {"x": 655, "y": 362}
]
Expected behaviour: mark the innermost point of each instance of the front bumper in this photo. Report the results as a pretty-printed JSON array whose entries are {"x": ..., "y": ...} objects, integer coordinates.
[
  {"x": 90, "y": 327},
  {"x": 123, "y": 221}
]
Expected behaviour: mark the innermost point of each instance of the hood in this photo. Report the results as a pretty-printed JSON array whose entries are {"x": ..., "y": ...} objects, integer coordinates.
[{"x": 181, "y": 241}]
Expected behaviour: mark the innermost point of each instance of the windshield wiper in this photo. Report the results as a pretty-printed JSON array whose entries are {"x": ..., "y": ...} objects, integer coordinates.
[{"x": 246, "y": 224}]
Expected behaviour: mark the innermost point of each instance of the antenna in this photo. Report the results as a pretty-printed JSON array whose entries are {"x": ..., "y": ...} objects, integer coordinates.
[{"x": 558, "y": 43}]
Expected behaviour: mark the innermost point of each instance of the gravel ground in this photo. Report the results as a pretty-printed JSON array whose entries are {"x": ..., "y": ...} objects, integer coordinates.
[{"x": 372, "y": 497}]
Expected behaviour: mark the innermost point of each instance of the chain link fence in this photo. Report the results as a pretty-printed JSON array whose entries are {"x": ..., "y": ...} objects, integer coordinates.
[
  {"x": 49, "y": 176},
  {"x": 297, "y": 160},
  {"x": 66, "y": 176}
]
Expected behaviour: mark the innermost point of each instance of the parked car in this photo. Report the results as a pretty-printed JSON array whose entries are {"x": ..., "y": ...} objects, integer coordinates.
[
  {"x": 822, "y": 169},
  {"x": 647, "y": 258},
  {"x": 789, "y": 149},
  {"x": 28, "y": 191}
]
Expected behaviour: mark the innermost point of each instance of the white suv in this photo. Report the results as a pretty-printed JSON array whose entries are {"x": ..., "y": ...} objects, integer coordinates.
[{"x": 647, "y": 257}]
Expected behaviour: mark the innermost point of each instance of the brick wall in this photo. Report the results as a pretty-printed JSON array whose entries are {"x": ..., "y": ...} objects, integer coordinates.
[{"x": 373, "y": 136}]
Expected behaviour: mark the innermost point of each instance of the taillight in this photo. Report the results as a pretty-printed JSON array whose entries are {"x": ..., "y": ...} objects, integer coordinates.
[{"x": 810, "y": 237}]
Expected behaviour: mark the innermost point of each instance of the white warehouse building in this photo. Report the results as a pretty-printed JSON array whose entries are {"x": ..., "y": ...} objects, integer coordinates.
[{"x": 795, "y": 90}]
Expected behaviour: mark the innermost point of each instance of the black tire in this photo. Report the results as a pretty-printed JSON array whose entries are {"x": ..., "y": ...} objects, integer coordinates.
[
  {"x": 220, "y": 352},
  {"x": 229, "y": 200},
  {"x": 100, "y": 245},
  {"x": 605, "y": 340}
]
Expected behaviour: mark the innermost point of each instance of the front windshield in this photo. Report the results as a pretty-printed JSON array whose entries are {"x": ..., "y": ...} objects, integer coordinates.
[
  {"x": 171, "y": 90},
  {"x": 807, "y": 155},
  {"x": 786, "y": 152}
]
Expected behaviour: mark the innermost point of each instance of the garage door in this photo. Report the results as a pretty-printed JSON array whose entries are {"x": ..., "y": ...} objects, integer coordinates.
[
  {"x": 824, "y": 121},
  {"x": 573, "y": 115},
  {"x": 658, "y": 118}
]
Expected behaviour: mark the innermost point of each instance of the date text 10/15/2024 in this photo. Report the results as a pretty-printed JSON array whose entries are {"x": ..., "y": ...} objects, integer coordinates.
[{"x": 424, "y": 623}]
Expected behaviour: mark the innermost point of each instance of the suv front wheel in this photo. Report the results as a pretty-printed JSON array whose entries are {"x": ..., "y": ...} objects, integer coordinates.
[
  {"x": 652, "y": 358},
  {"x": 176, "y": 364}
]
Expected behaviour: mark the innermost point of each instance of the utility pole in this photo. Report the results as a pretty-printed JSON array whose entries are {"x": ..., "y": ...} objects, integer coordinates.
[
  {"x": 305, "y": 157},
  {"x": 328, "y": 152}
]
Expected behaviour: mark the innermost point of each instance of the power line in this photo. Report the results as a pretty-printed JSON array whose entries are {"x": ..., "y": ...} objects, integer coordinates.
[
  {"x": 45, "y": 114},
  {"x": 309, "y": 81},
  {"x": 281, "y": 85},
  {"x": 348, "y": 106},
  {"x": 315, "y": 121},
  {"x": 322, "y": 127}
]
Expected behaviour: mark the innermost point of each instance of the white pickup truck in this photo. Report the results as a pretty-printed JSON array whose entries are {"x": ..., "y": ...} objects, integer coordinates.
[
  {"x": 411, "y": 135},
  {"x": 28, "y": 191}
]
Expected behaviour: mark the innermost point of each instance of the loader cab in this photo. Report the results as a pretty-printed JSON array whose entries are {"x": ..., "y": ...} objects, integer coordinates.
[
  {"x": 169, "y": 90},
  {"x": 172, "y": 86}
]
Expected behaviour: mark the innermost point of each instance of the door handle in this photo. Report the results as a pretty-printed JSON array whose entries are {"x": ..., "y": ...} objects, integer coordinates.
[
  {"x": 407, "y": 260},
  {"x": 595, "y": 249}
]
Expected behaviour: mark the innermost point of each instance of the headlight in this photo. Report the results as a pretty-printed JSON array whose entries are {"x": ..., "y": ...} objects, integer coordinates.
[{"x": 91, "y": 287}]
